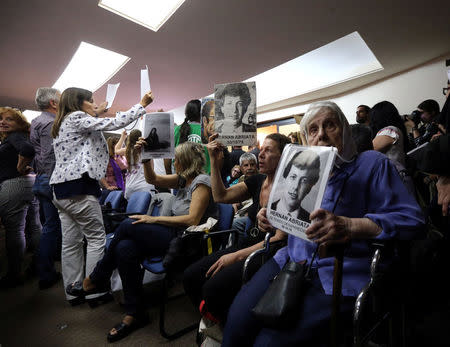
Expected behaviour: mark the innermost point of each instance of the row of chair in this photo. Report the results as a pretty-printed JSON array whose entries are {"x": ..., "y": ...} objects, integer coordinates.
[
  {"x": 139, "y": 203},
  {"x": 371, "y": 311}
]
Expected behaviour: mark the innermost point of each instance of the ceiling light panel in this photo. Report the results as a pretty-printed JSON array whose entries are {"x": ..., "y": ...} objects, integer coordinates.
[
  {"x": 151, "y": 14},
  {"x": 91, "y": 67},
  {"x": 344, "y": 59}
]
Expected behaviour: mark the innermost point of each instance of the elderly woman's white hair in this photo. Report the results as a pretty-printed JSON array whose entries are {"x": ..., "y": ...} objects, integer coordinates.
[{"x": 348, "y": 144}]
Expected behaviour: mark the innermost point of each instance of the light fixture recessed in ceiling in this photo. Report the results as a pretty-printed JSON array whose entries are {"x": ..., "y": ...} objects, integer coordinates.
[
  {"x": 90, "y": 67},
  {"x": 151, "y": 14}
]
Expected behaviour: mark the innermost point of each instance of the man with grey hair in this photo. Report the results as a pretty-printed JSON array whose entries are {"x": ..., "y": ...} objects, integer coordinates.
[
  {"x": 249, "y": 167},
  {"x": 300, "y": 175},
  {"x": 47, "y": 100}
]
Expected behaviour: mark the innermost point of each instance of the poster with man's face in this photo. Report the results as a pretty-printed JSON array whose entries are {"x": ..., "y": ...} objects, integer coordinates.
[
  {"x": 235, "y": 113},
  {"x": 298, "y": 187},
  {"x": 158, "y": 135}
]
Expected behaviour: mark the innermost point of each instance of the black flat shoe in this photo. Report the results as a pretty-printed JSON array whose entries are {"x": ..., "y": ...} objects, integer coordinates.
[
  {"x": 123, "y": 330},
  {"x": 101, "y": 300},
  {"x": 77, "y": 301},
  {"x": 76, "y": 289}
]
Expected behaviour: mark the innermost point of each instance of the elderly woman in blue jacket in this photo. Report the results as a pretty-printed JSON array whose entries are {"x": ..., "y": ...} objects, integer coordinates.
[
  {"x": 81, "y": 160},
  {"x": 365, "y": 198}
]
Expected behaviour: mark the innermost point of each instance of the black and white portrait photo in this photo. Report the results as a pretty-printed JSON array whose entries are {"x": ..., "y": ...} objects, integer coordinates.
[
  {"x": 158, "y": 135},
  {"x": 298, "y": 188},
  {"x": 299, "y": 176},
  {"x": 235, "y": 113}
]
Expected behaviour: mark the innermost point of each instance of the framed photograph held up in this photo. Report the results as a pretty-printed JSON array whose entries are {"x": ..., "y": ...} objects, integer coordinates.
[
  {"x": 298, "y": 187},
  {"x": 235, "y": 113},
  {"x": 158, "y": 133}
]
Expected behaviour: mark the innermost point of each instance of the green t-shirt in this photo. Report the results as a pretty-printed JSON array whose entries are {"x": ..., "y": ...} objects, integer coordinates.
[{"x": 194, "y": 136}]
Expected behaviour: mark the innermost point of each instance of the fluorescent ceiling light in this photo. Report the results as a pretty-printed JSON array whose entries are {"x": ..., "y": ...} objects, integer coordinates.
[
  {"x": 90, "y": 68},
  {"x": 151, "y": 14},
  {"x": 30, "y": 114},
  {"x": 344, "y": 59}
]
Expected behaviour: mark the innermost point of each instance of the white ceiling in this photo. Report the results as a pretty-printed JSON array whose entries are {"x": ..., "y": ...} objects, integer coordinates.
[{"x": 210, "y": 41}]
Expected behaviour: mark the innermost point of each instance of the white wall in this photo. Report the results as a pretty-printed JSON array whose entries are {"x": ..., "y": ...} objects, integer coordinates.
[{"x": 405, "y": 91}]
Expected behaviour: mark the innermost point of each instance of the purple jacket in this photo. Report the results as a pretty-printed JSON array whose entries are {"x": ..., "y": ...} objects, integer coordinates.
[{"x": 367, "y": 187}]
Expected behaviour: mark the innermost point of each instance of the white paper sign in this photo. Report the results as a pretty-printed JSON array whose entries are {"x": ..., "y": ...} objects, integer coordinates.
[
  {"x": 145, "y": 81},
  {"x": 159, "y": 136},
  {"x": 298, "y": 188},
  {"x": 111, "y": 93}
]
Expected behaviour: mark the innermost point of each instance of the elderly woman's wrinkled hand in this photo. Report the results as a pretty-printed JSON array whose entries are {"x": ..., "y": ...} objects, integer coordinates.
[
  {"x": 328, "y": 227},
  {"x": 263, "y": 222},
  {"x": 143, "y": 218}
]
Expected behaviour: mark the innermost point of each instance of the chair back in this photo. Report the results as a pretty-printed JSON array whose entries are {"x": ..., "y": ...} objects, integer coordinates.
[
  {"x": 139, "y": 202},
  {"x": 226, "y": 216},
  {"x": 114, "y": 197}
]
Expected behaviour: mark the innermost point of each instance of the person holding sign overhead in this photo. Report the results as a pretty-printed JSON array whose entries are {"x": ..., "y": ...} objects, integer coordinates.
[
  {"x": 364, "y": 199},
  {"x": 81, "y": 160}
]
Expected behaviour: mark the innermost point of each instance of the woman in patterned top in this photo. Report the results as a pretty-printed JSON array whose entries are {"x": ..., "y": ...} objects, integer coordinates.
[{"x": 81, "y": 161}]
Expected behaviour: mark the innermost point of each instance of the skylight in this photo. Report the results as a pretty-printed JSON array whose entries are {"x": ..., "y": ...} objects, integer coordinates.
[
  {"x": 341, "y": 60},
  {"x": 151, "y": 14},
  {"x": 90, "y": 68}
]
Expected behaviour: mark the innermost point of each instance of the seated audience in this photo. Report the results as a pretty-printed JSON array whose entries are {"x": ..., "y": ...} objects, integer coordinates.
[
  {"x": 429, "y": 115},
  {"x": 81, "y": 160},
  {"x": 362, "y": 135},
  {"x": 249, "y": 167},
  {"x": 234, "y": 177},
  {"x": 134, "y": 177},
  {"x": 390, "y": 137},
  {"x": 144, "y": 235},
  {"x": 116, "y": 164},
  {"x": 362, "y": 114},
  {"x": 218, "y": 277},
  {"x": 293, "y": 137},
  {"x": 16, "y": 154},
  {"x": 364, "y": 199},
  {"x": 235, "y": 154}
]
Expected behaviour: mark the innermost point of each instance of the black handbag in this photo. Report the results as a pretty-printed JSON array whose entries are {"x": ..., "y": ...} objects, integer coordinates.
[{"x": 279, "y": 306}]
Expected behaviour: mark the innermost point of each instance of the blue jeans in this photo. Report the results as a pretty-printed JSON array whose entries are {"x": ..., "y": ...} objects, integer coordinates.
[{"x": 51, "y": 229}]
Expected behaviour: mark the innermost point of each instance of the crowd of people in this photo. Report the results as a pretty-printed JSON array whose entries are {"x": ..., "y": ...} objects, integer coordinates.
[{"x": 57, "y": 171}]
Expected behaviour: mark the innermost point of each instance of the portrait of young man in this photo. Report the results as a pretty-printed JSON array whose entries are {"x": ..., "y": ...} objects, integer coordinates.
[{"x": 300, "y": 175}]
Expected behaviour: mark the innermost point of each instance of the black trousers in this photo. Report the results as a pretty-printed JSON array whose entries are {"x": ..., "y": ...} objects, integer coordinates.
[{"x": 217, "y": 291}]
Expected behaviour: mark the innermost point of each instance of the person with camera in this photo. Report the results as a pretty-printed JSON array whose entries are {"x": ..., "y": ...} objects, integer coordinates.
[{"x": 427, "y": 113}]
